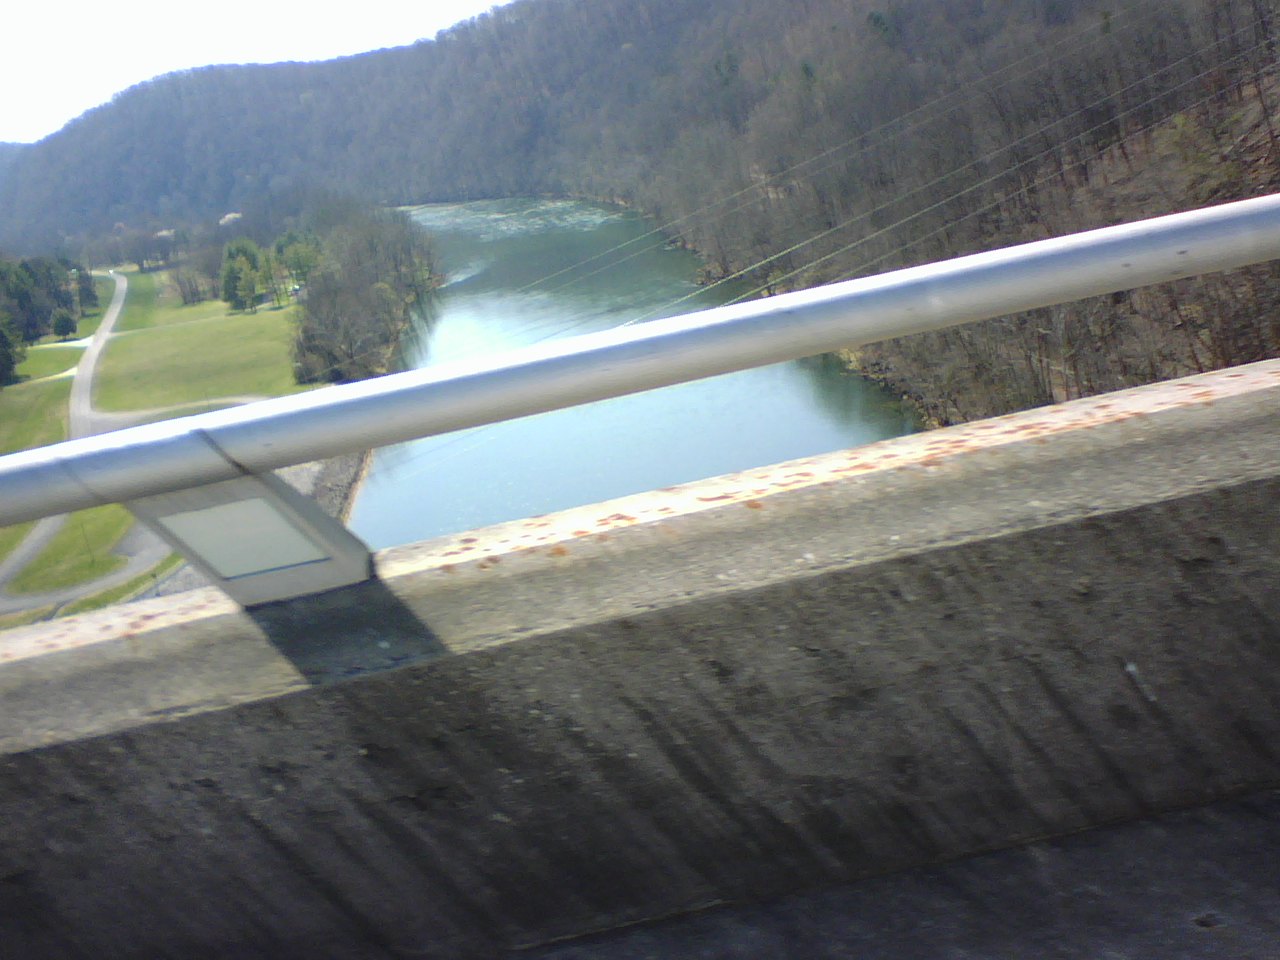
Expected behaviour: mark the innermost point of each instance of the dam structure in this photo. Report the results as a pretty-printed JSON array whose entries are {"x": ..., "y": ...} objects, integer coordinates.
[{"x": 810, "y": 676}]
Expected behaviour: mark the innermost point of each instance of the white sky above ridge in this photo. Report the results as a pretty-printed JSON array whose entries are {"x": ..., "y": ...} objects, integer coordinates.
[{"x": 58, "y": 60}]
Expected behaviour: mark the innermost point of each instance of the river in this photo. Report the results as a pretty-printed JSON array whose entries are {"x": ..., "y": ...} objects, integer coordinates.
[{"x": 523, "y": 271}]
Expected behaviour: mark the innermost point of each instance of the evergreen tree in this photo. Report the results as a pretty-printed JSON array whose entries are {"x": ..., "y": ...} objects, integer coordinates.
[
  {"x": 88, "y": 290},
  {"x": 241, "y": 259},
  {"x": 64, "y": 324}
]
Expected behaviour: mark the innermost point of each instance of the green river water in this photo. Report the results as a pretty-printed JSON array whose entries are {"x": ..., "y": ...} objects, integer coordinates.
[{"x": 524, "y": 271}]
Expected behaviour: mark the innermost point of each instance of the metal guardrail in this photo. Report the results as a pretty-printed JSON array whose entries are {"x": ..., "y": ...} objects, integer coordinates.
[{"x": 136, "y": 465}]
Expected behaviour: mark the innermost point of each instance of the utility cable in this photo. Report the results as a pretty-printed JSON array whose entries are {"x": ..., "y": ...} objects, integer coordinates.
[
  {"x": 906, "y": 123},
  {"x": 970, "y": 165}
]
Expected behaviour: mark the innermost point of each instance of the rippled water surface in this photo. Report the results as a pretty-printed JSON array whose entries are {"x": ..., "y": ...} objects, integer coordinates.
[{"x": 525, "y": 271}]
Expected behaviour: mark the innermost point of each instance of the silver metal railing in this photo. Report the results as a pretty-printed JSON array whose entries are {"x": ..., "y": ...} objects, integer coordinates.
[{"x": 137, "y": 465}]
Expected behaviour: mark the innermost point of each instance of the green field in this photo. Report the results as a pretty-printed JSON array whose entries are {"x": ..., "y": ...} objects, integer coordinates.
[
  {"x": 170, "y": 312},
  {"x": 232, "y": 355},
  {"x": 164, "y": 355},
  {"x": 10, "y": 537},
  {"x": 125, "y": 591},
  {"x": 141, "y": 304},
  {"x": 33, "y": 414},
  {"x": 47, "y": 359},
  {"x": 153, "y": 302},
  {"x": 171, "y": 354},
  {"x": 78, "y": 553}
]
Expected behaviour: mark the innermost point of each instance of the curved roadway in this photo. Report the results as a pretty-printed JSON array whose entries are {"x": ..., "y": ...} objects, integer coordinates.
[{"x": 80, "y": 411}]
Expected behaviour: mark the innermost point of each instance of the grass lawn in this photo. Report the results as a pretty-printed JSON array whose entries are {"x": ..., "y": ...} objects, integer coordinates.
[
  {"x": 153, "y": 301},
  {"x": 47, "y": 359},
  {"x": 33, "y": 414},
  {"x": 142, "y": 304},
  {"x": 166, "y": 354},
  {"x": 221, "y": 355},
  {"x": 78, "y": 553},
  {"x": 172, "y": 312},
  {"x": 10, "y": 537},
  {"x": 125, "y": 591}
]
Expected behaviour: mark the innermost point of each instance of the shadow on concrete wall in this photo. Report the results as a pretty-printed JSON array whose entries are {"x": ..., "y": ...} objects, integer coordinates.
[{"x": 345, "y": 633}]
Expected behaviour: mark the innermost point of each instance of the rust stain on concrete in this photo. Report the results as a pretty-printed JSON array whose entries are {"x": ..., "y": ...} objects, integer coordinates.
[{"x": 933, "y": 450}]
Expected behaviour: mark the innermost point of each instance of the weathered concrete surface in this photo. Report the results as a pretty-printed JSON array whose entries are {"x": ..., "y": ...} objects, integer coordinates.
[
  {"x": 1199, "y": 884},
  {"x": 827, "y": 670}
]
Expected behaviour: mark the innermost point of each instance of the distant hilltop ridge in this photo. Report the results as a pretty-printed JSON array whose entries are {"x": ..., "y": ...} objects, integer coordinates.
[
  {"x": 795, "y": 143},
  {"x": 664, "y": 104}
]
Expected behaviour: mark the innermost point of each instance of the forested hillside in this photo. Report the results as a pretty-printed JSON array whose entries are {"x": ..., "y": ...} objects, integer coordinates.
[
  {"x": 662, "y": 102},
  {"x": 8, "y": 154},
  {"x": 798, "y": 142}
]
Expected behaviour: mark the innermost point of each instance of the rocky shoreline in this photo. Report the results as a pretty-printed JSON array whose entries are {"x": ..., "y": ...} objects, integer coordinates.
[
  {"x": 338, "y": 480},
  {"x": 855, "y": 365}
]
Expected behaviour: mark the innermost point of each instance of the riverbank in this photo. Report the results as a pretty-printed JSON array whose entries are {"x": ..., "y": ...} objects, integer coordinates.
[
  {"x": 338, "y": 480},
  {"x": 853, "y": 361},
  {"x": 882, "y": 375}
]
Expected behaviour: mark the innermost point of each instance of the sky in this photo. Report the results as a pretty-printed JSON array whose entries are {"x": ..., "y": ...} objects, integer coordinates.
[{"x": 59, "y": 58}]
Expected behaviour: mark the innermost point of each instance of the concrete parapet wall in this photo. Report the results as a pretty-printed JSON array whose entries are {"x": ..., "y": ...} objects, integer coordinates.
[{"x": 815, "y": 672}]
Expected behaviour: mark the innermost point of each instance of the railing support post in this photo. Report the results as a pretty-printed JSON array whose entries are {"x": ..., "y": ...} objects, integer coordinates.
[{"x": 257, "y": 538}]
